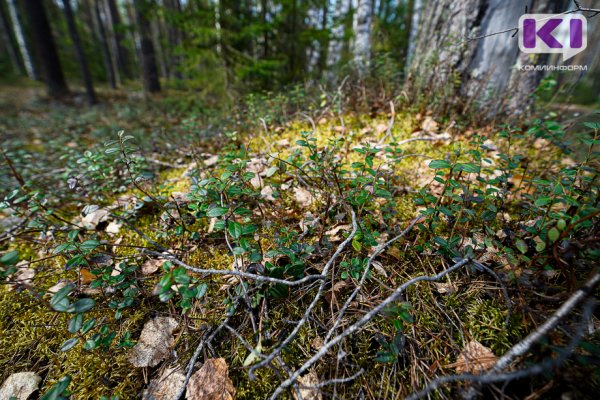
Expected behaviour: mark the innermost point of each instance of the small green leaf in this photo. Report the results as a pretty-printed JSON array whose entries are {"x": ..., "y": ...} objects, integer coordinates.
[
  {"x": 217, "y": 212},
  {"x": 522, "y": 246},
  {"x": 235, "y": 229},
  {"x": 75, "y": 323},
  {"x": 553, "y": 234},
  {"x": 543, "y": 201},
  {"x": 82, "y": 305},
  {"x": 271, "y": 171},
  {"x": 561, "y": 224},
  {"x": 439, "y": 164},
  {"x": 10, "y": 258},
  {"x": 540, "y": 246},
  {"x": 69, "y": 344}
]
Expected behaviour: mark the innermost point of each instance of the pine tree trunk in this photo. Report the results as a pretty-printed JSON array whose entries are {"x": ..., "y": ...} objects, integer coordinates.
[
  {"x": 363, "y": 16},
  {"x": 85, "y": 71},
  {"x": 11, "y": 49},
  {"x": 43, "y": 44},
  {"x": 173, "y": 10},
  {"x": 20, "y": 37},
  {"x": 121, "y": 53},
  {"x": 149, "y": 67},
  {"x": 102, "y": 37}
]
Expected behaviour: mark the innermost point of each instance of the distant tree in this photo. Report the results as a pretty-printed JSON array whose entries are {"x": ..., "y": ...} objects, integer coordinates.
[
  {"x": 45, "y": 49},
  {"x": 121, "y": 53},
  {"x": 149, "y": 67},
  {"x": 9, "y": 43},
  {"x": 103, "y": 39},
  {"x": 83, "y": 66},
  {"x": 336, "y": 42},
  {"x": 363, "y": 16},
  {"x": 20, "y": 37}
]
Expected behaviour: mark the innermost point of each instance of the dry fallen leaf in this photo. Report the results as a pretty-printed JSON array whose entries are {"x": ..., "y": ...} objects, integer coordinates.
[
  {"x": 303, "y": 197},
  {"x": 474, "y": 359},
  {"x": 23, "y": 276},
  {"x": 166, "y": 386},
  {"x": 113, "y": 227},
  {"x": 151, "y": 266},
  {"x": 429, "y": 125},
  {"x": 445, "y": 288},
  {"x": 20, "y": 385},
  {"x": 211, "y": 382},
  {"x": 155, "y": 342},
  {"x": 93, "y": 219},
  {"x": 306, "y": 387}
]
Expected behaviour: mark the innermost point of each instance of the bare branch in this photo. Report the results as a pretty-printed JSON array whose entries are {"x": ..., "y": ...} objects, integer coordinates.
[{"x": 360, "y": 323}]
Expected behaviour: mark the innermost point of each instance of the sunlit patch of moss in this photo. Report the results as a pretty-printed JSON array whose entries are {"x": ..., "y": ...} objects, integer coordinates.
[
  {"x": 173, "y": 181},
  {"x": 31, "y": 337}
]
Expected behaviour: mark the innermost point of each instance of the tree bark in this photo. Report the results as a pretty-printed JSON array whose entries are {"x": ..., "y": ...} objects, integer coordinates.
[
  {"x": 11, "y": 49},
  {"x": 20, "y": 37},
  {"x": 336, "y": 43},
  {"x": 43, "y": 44},
  {"x": 121, "y": 53},
  {"x": 83, "y": 66},
  {"x": 149, "y": 68},
  {"x": 363, "y": 16},
  {"x": 475, "y": 75},
  {"x": 102, "y": 37}
]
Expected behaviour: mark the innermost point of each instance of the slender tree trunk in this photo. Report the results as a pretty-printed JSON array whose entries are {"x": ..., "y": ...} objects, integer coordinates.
[
  {"x": 108, "y": 65},
  {"x": 24, "y": 50},
  {"x": 85, "y": 71},
  {"x": 362, "y": 36},
  {"x": 149, "y": 68},
  {"x": 173, "y": 11},
  {"x": 416, "y": 9},
  {"x": 43, "y": 44},
  {"x": 336, "y": 42},
  {"x": 11, "y": 49},
  {"x": 121, "y": 53}
]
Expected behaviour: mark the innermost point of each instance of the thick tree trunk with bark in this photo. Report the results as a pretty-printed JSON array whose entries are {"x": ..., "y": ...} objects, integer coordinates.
[
  {"x": 83, "y": 66},
  {"x": 363, "y": 16},
  {"x": 43, "y": 44},
  {"x": 482, "y": 73},
  {"x": 149, "y": 67}
]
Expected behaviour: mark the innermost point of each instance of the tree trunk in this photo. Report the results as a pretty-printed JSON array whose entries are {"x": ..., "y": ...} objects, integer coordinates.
[
  {"x": 121, "y": 54},
  {"x": 149, "y": 68},
  {"x": 173, "y": 11},
  {"x": 85, "y": 71},
  {"x": 416, "y": 9},
  {"x": 108, "y": 64},
  {"x": 11, "y": 49},
  {"x": 480, "y": 74},
  {"x": 43, "y": 44},
  {"x": 336, "y": 43},
  {"x": 363, "y": 15},
  {"x": 24, "y": 50}
]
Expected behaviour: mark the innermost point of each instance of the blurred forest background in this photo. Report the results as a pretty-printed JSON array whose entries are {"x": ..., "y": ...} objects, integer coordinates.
[{"x": 220, "y": 51}]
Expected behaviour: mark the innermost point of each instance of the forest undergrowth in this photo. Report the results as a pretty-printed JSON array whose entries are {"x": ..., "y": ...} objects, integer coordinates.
[{"x": 282, "y": 240}]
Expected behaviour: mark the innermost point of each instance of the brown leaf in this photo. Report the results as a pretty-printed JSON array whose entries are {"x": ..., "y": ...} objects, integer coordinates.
[
  {"x": 475, "y": 358},
  {"x": 303, "y": 197},
  {"x": 151, "y": 266},
  {"x": 155, "y": 342},
  {"x": 306, "y": 387},
  {"x": 20, "y": 385},
  {"x": 211, "y": 382},
  {"x": 166, "y": 386}
]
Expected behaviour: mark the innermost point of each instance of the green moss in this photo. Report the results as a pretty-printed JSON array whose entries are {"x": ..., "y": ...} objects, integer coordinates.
[{"x": 31, "y": 337}]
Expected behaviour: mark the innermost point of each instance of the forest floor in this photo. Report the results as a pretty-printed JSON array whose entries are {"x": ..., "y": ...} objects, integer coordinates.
[{"x": 181, "y": 217}]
